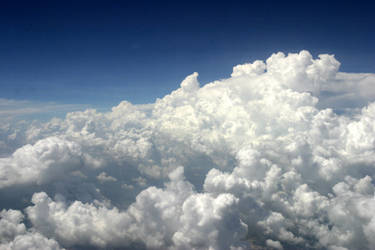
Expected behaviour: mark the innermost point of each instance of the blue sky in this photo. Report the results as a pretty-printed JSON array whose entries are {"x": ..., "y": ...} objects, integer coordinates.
[{"x": 102, "y": 52}]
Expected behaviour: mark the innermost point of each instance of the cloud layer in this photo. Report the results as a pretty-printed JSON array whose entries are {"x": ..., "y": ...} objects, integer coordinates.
[{"x": 280, "y": 155}]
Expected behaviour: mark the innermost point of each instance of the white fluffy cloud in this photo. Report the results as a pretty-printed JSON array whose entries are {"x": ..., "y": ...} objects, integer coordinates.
[
  {"x": 175, "y": 217},
  {"x": 38, "y": 163},
  {"x": 279, "y": 155}
]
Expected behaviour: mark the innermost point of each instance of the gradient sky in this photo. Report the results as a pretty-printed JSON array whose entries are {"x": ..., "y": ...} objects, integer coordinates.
[{"x": 102, "y": 52}]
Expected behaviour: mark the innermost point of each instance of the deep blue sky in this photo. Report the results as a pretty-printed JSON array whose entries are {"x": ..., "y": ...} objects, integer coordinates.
[{"x": 102, "y": 52}]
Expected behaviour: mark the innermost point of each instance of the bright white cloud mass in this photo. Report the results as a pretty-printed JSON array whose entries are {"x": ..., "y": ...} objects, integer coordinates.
[{"x": 281, "y": 155}]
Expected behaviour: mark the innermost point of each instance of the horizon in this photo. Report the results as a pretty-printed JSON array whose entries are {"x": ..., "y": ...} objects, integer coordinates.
[{"x": 102, "y": 53}]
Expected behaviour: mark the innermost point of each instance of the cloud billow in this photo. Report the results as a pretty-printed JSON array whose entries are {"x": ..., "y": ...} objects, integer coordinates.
[{"x": 280, "y": 155}]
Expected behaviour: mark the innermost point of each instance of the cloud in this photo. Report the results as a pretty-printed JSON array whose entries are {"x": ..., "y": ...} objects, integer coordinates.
[
  {"x": 20, "y": 109},
  {"x": 13, "y": 234},
  {"x": 10, "y": 225},
  {"x": 280, "y": 155},
  {"x": 274, "y": 244},
  {"x": 103, "y": 177},
  {"x": 174, "y": 217},
  {"x": 46, "y": 160}
]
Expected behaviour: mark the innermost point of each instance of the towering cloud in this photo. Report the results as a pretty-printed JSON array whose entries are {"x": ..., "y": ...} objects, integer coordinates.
[{"x": 280, "y": 155}]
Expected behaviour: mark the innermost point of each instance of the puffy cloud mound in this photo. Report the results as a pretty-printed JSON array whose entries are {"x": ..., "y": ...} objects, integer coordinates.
[
  {"x": 38, "y": 163},
  {"x": 280, "y": 155},
  {"x": 175, "y": 217},
  {"x": 13, "y": 234}
]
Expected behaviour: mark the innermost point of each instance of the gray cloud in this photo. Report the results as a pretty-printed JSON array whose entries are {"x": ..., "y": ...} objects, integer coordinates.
[{"x": 13, "y": 234}]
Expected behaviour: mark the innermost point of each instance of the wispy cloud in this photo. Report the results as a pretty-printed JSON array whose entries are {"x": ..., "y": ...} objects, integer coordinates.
[{"x": 18, "y": 109}]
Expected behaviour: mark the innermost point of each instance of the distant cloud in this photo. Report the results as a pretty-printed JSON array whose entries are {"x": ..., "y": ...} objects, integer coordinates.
[
  {"x": 280, "y": 155},
  {"x": 10, "y": 109},
  {"x": 103, "y": 177}
]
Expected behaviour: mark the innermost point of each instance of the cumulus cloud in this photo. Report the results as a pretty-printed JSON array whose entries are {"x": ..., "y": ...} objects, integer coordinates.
[
  {"x": 274, "y": 244},
  {"x": 175, "y": 217},
  {"x": 38, "y": 163},
  {"x": 280, "y": 155},
  {"x": 13, "y": 234},
  {"x": 10, "y": 225},
  {"x": 103, "y": 177}
]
